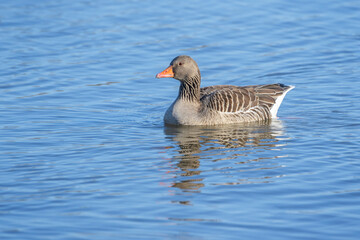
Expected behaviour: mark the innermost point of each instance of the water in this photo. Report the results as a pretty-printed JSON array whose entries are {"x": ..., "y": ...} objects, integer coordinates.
[{"x": 85, "y": 154}]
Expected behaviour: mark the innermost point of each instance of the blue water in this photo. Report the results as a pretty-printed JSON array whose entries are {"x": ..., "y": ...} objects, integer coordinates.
[{"x": 84, "y": 151}]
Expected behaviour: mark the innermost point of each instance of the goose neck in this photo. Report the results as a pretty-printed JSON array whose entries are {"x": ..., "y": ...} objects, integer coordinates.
[{"x": 190, "y": 89}]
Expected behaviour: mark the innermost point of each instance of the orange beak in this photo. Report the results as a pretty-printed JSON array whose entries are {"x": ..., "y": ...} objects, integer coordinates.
[{"x": 166, "y": 73}]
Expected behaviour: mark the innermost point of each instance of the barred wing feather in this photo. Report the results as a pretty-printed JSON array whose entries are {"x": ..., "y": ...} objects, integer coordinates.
[{"x": 232, "y": 99}]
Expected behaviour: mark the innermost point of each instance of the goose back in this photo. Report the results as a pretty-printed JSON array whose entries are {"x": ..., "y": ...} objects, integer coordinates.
[{"x": 250, "y": 103}]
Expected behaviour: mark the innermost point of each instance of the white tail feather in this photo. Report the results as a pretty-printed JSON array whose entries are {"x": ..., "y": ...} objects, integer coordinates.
[{"x": 278, "y": 102}]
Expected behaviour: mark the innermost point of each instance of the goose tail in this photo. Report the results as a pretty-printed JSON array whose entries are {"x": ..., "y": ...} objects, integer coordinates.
[{"x": 274, "y": 109}]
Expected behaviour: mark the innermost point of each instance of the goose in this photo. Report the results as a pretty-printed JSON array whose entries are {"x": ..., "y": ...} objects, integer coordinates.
[{"x": 220, "y": 104}]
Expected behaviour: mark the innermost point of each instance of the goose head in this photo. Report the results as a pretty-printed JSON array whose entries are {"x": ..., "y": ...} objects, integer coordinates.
[{"x": 181, "y": 68}]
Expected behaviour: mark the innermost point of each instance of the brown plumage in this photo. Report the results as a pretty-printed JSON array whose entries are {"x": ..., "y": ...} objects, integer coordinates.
[{"x": 221, "y": 104}]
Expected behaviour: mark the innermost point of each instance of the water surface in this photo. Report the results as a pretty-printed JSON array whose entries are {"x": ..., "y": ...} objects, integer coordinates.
[{"x": 84, "y": 151}]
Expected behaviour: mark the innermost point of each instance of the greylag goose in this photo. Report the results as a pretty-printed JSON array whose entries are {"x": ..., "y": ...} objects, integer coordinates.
[{"x": 221, "y": 104}]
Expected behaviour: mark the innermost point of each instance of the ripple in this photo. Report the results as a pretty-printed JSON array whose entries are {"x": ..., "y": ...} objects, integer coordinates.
[{"x": 85, "y": 153}]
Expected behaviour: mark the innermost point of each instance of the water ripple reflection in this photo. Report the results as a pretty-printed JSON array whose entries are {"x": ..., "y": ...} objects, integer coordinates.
[{"x": 226, "y": 155}]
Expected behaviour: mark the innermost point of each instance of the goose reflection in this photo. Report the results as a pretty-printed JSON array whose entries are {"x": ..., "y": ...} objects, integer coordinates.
[{"x": 244, "y": 143}]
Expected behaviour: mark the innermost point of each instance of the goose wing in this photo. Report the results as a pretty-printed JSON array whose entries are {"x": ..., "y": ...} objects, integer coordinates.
[
  {"x": 228, "y": 99},
  {"x": 233, "y": 99}
]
